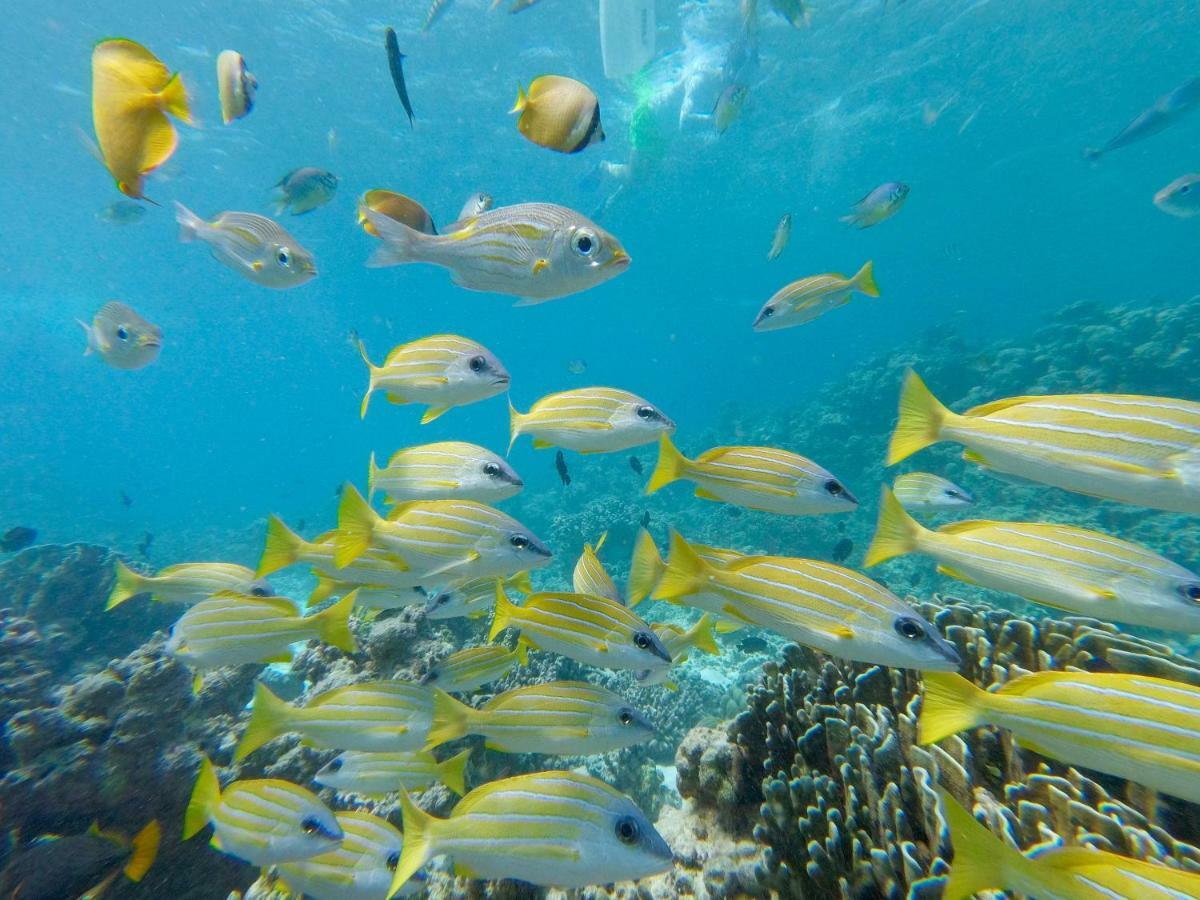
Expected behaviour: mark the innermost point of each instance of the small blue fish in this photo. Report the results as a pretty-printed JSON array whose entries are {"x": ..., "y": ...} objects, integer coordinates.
[{"x": 880, "y": 204}]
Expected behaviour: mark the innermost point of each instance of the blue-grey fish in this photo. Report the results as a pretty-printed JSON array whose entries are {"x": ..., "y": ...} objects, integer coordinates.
[
  {"x": 783, "y": 232},
  {"x": 880, "y": 204},
  {"x": 255, "y": 247},
  {"x": 478, "y": 202},
  {"x": 396, "y": 65},
  {"x": 1166, "y": 111},
  {"x": 1181, "y": 197},
  {"x": 303, "y": 190},
  {"x": 78, "y": 865}
]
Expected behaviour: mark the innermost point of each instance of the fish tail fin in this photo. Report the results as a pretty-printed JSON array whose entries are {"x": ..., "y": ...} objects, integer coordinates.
[
  {"x": 326, "y": 588},
  {"x": 896, "y": 534},
  {"x": 514, "y": 424},
  {"x": 91, "y": 340},
  {"x": 400, "y": 243},
  {"x": 145, "y": 848},
  {"x": 373, "y": 470},
  {"x": 282, "y": 548},
  {"x": 503, "y": 616},
  {"x": 981, "y": 859},
  {"x": 671, "y": 465},
  {"x": 645, "y": 568},
  {"x": 128, "y": 584},
  {"x": 356, "y": 527},
  {"x": 522, "y": 652},
  {"x": 205, "y": 796},
  {"x": 685, "y": 572},
  {"x": 450, "y": 720},
  {"x": 922, "y": 416},
  {"x": 333, "y": 624},
  {"x": 174, "y": 99},
  {"x": 190, "y": 224},
  {"x": 372, "y": 377},
  {"x": 705, "y": 640},
  {"x": 453, "y": 772},
  {"x": 269, "y": 718},
  {"x": 851, "y": 219},
  {"x": 522, "y": 100},
  {"x": 949, "y": 704},
  {"x": 418, "y": 847},
  {"x": 864, "y": 280}
]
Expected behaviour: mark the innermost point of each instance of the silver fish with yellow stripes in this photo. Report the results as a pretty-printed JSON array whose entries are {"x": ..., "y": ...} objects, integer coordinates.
[
  {"x": 983, "y": 862},
  {"x": 473, "y": 599},
  {"x": 567, "y": 718},
  {"x": 360, "y": 869},
  {"x": 466, "y": 670},
  {"x": 185, "y": 583},
  {"x": 448, "y": 539},
  {"x": 257, "y": 248},
  {"x": 764, "y": 478},
  {"x": 1086, "y": 572},
  {"x": 262, "y": 821},
  {"x": 1125, "y": 447},
  {"x": 1131, "y": 726},
  {"x": 231, "y": 629},
  {"x": 646, "y": 568},
  {"x": 926, "y": 491},
  {"x": 379, "y": 568},
  {"x": 590, "y": 420},
  {"x": 678, "y": 642},
  {"x": 590, "y": 576},
  {"x": 810, "y": 298},
  {"x": 535, "y": 251},
  {"x": 442, "y": 371},
  {"x": 376, "y": 774},
  {"x": 559, "y": 829},
  {"x": 446, "y": 469},
  {"x": 818, "y": 604},
  {"x": 376, "y": 716},
  {"x": 592, "y": 630},
  {"x": 369, "y": 597}
]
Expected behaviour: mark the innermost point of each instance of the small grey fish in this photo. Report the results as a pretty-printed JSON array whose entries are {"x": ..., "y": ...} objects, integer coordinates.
[
  {"x": 121, "y": 337},
  {"x": 303, "y": 190},
  {"x": 1166, "y": 111},
  {"x": 254, "y": 246},
  {"x": 635, "y": 464},
  {"x": 560, "y": 464},
  {"x": 729, "y": 106},
  {"x": 122, "y": 212},
  {"x": 396, "y": 65},
  {"x": 842, "y": 550},
  {"x": 880, "y": 204},
  {"x": 1181, "y": 197},
  {"x": 478, "y": 202},
  {"x": 783, "y": 232}
]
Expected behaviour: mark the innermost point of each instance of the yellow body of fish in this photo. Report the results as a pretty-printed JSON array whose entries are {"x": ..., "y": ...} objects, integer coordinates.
[
  {"x": 590, "y": 576},
  {"x": 443, "y": 470},
  {"x": 132, "y": 93},
  {"x": 924, "y": 490},
  {"x": 395, "y": 206},
  {"x": 590, "y": 420},
  {"x": 809, "y": 298},
  {"x": 559, "y": 113}
]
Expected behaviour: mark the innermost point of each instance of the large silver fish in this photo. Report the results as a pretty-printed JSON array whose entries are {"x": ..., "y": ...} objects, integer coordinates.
[{"x": 536, "y": 251}]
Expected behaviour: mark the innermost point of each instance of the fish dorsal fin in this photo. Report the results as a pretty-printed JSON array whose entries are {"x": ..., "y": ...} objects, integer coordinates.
[
  {"x": 280, "y": 604},
  {"x": 986, "y": 409},
  {"x": 600, "y": 543},
  {"x": 737, "y": 565},
  {"x": 965, "y": 526},
  {"x": 711, "y": 455}
]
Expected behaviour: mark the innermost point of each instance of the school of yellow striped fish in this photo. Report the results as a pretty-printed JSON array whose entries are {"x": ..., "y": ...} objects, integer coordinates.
[{"x": 445, "y": 546}]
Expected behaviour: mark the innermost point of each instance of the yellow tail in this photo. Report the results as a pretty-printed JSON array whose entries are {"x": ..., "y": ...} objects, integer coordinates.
[
  {"x": 950, "y": 704},
  {"x": 864, "y": 280},
  {"x": 174, "y": 99},
  {"x": 921, "y": 420},
  {"x": 981, "y": 860},
  {"x": 671, "y": 465},
  {"x": 685, "y": 573},
  {"x": 521, "y": 582},
  {"x": 269, "y": 718},
  {"x": 326, "y": 588},
  {"x": 373, "y": 471},
  {"x": 333, "y": 624},
  {"x": 282, "y": 548},
  {"x": 453, "y": 772},
  {"x": 503, "y": 616},
  {"x": 522, "y": 100},
  {"x": 128, "y": 584},
  {"x": 206, "y": 795},
  {"x": 419, "y": 845},
  {"x": 703, "y": 637},
  {"x": 896, "y": 533},
  {"x": 514, "y": 424},
  {"x": 356, "y": 527},
  {"x": 729, "y": 626},
  {"x": 145, "y": 848},
  {"x": 451, "y": 720},
  {"x": 645, "y": 568},
  {"x": 373, "y": 373}
]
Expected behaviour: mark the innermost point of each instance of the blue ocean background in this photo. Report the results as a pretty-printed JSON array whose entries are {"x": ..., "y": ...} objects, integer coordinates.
[{"x": 253, "y": 404}]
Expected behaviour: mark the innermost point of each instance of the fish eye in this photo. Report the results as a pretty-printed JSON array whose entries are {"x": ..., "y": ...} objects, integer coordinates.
[
  {"x": 259, "y": 591},
  {"x": 584, "y": 243},
  {"x": 647, "y": 412},
  {"x": 336, "y": 765},
  {"x": 768, "y": 311},
  {"x": 393, "y": 860},
  {"x": 478, "y": 364},
  {"x": 283, "y": 256},
  {"x": 1184, "y": 188},
  {"x": 910, "y": 629},
  {"x": 628, "y": 831},
  {"x": 625, "y": 717},
  {"x": 642, "y": 641},
  {"x": 311, "y": 825},
  {"x": 834, "y": 487},
  {"x": 491, "y": 469},
  {"x": 123, "y": 332},
  {"x": 1191, "y": 591},
  {"x": 519, "y": 541}
]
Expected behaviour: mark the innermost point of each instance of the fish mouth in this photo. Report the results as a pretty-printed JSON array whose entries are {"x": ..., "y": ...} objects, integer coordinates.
[
  {"x": 620, "y": 261},
  {"x": 502, "y": 380},
  {"x": 947, "y": 651},
  {"x": 515, "y": 480}
]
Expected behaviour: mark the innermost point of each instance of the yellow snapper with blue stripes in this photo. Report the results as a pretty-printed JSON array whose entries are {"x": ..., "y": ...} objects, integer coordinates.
[
  {"x": 590, "y": 420},
  {"x": 440, "y": 371},
  {"x": 374, "y": 567},
  {"x": 376, "y": 716},
  {"x": 466, "y": 670},
  {"x": 474, "y": 598},
  {"x": 231, "y": 629},
  {"x": 924, "y": 490},
  {"x": 1132, "y": 726},
  {"x": 1070, "y": 568},
  {"x": 535, "y": 251},
  {"x": 377, "y": 774},
  {"x": 559, "y": 829},
  {"x": 590, "y": 576},
  {"x": 263, "y": 821},
  {"x": 1124, "y": 447},
  {"x": 448, "y": 539},
  {"x": 567, "y": 718},
  {"x": 678, "y": 642},
  {"x": 185, "y": 583},
  {"x": 444, "y": 470},
  {"x": 646, "y": 568},
  {"x": 818, "y": 604},
  {"x": 763, "y": 478},
  {"x": 360, "y": 869},
  {"x": 592, "y": 630},
  {"x": 983, "y": 862},
  {"x": 810, "y": 298}
]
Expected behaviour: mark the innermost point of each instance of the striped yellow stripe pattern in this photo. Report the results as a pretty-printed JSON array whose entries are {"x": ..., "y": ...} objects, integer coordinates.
[
  {"x": 255, "y": 813},
  {"x": 590, "y": 576},
  {"x": 359, "y": 866},
  {"x": 473, "y": 667},
  {"x": 442, "y": 470}
]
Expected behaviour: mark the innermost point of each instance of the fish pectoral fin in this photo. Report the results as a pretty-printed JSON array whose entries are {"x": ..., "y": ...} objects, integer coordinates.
[
  {"x": 842, "y": 631},
  {"x": 433, "y": 412},
  {"x": 540, "y": 265},
  {"x": 670, "y": 685},
  {"x": 600, "y": 648},
  {"x": 539, "y": 444},
  {"x": 393, "y": 397},
  {"x": 707, "y": 495},
  {"x": 973, "y": 456},
  {"x": 456, "y": 561},
  {"x": 1185, "y": 466},
  {"x": 257, "y": 265}
]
